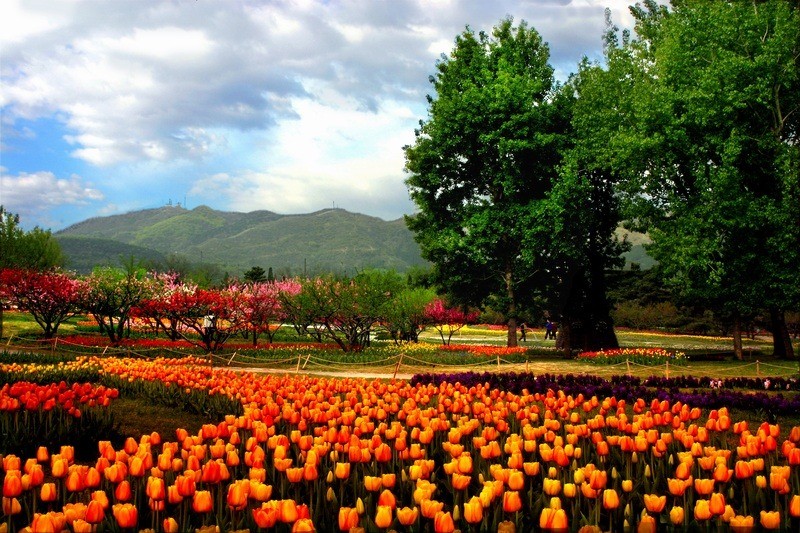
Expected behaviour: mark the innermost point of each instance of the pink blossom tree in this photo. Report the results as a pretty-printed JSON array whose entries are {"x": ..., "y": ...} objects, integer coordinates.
[
  {"x": 264, "y": 307},
  {"x": 447, "y": 320}
]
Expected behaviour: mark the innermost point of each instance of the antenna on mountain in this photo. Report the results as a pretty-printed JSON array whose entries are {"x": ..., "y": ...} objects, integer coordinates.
[{"x": 184, "y": 202}]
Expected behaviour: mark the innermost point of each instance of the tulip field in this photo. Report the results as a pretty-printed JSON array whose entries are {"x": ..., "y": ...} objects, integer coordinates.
[{"x": 437, "y": 453}]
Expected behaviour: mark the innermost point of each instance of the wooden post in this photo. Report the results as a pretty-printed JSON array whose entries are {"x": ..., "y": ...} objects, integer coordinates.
[
  {"x": 9, "y": 340},
  {"x": 105, "y": 350},
  {"x": 628, "y": 366},
  {"x": 498, "y": 360},
  {"x": 397, "y": 366},
  {"x": 232, "y": 356},
  {"x": 297, "y": 370},
  {"x": 55, "y": 342},
  {"x": 306, "y": 361},
  {"x": 758, "y": 368},
  {"x": 667, "y": 372}
]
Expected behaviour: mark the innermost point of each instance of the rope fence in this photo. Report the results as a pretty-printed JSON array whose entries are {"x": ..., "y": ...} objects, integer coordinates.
[{"x": 404, "y": 364}]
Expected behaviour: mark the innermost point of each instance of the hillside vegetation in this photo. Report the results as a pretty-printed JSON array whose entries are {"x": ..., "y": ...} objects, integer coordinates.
[{"x": 331, "y": 240}]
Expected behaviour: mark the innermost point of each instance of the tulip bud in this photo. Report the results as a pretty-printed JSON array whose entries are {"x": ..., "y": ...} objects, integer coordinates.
[
  {"x": 329, "y": 477},
  {"x": 647, "y": 472},
  {"x": 330, "y": 495},
  {"x": 456, "y": 513},
  {"x": 360, "y": 506}
]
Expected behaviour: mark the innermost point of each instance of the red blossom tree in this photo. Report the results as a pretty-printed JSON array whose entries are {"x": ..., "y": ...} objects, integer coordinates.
[
  {"x": 208, "y": 314},
  {"x": 50, "y": 296},
  {"x": 447, "y": 319}
]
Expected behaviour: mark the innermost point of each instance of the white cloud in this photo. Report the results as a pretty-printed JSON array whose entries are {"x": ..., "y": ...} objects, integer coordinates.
[
  {"x": 26, "y": 193},
  {"x": 337, "y": 88}
]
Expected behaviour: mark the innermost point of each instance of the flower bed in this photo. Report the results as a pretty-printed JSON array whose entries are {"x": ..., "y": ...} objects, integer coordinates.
[
  {"x": 33, "y": 415},
  {"x": 708, "y": 392},
  {"x": 329, "y": 454},
  {"x": 641, "y": 356}
]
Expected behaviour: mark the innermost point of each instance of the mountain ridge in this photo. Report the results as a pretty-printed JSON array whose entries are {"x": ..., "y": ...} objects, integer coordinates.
[{"x": 327, "y": 240}]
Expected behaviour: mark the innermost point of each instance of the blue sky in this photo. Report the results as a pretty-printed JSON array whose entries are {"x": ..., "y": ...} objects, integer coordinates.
[{"x": 292, "y": 106}]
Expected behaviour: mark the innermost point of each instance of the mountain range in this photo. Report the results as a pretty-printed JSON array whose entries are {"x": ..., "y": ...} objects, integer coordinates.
[{"x": 330, "y": 240}]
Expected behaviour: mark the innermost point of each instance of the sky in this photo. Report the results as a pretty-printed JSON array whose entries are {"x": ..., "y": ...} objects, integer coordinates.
[{"x": 112, "y": 106}]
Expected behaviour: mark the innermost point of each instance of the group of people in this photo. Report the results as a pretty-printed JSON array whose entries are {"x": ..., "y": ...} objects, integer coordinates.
[{"x": 550, "y": 329}]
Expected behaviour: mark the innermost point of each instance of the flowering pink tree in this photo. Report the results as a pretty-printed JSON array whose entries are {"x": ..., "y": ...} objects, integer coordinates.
[
  {"x": 50, "y": 296},
  {"x": 264, "y": 308},
  {"x": 447, "y": 319},
  {"x": 156, "y": 309}
]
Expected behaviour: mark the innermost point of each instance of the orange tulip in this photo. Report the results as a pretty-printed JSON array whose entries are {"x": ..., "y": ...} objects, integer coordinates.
[
  {"x": 553, "y": 519},
  {"x": 511, "y": 501},
  {"x": 702, "y": 510},
  {"x": 123, "y": 491},
  {"x": 598, "y": 479},
  {"x": 473, "y": 510},
  {"x": 170, "y": 525},
  {"x": 388, "y": 499},
  {"x": 11, "y": 506},
  {"x": 95, "y": 512},
  {"x": 186, "y": 485},
  {"x": 348, "y": 518},
  {"x": 443, "y": 523},
  {"x": 551, "y": 487},
  {"x": 266, "y": 516},
  {"x": 677, "y": 515},
  {"x": 126, "y": 515},
  {"x": 156, "y": 488},
  {"x": 676, "y": 486},
  {"x": 716, "y": 504},
  {"x": 45, "y": 523},
  {"x": 742, "y": 524},
  {"x": 238, "y": 492},
  {"x": 646, "y": 525},
  {"x": 48, "y": 492},
  {"x": 342, "y": 470},
  {"x": 407, "y": 515},
  {"x": 383, "y": 516},
  {"x": 704, "y": 486},
  {"x": 460, "y": 481},
  {"x": 770, "y": 519},
  {"x": 287, "y": 511},
  {"x": 373, "y": 483},
  {"x": 654, "y": 503},
  {"x": 303, "y": 525},
  {"x": 794, "y": 505},
  {"x": 36, "y": 473},
  {"x": 202, "y": 501},
  {"x": 429, "y": 507},
  {"x": 12, "y": 484}
]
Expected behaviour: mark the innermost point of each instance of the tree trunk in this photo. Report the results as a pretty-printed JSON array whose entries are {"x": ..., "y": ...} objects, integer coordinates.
[
  {"x": 781, "y": 340},
  {"x": 737, "y": 337},
  {"x": 512, "y": 332},
  {"x": 511, "y": 341}
]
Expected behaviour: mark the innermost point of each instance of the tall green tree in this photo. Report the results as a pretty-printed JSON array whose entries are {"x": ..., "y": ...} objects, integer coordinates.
[
  {"x": 705, "y": 131},
  {"x": 486, "y": 155},
  {"x": 29, "y": 250},
  {"x": 111, "y": 294}
]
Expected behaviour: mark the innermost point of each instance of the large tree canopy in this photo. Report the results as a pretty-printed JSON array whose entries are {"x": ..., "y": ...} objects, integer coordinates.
[
  {"x": 482, "y": 160},
  {"x": 705, "y": 128}
]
